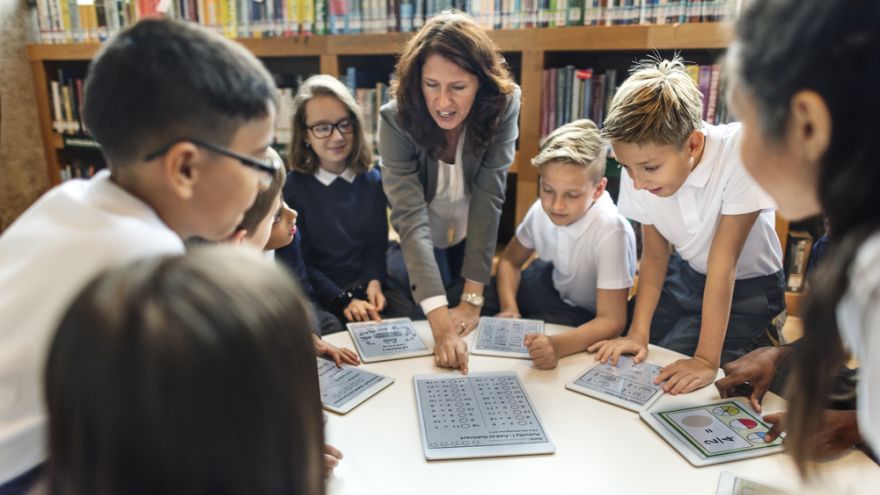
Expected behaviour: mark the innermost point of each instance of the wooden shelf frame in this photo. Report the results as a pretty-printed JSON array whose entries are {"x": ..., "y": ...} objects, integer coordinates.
[{"x": 532, "y": 44}]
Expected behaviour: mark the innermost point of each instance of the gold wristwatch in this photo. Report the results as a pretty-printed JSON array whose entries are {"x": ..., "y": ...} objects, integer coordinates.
[{"x": 473, "y": 298}]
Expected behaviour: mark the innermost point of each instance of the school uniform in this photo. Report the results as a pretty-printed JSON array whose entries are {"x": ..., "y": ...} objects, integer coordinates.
[
  {"x": 597, "y": 251},
  {"x": 344, "y": 226},
  {"x": 718, "y": 185},
  {"x": 70, "y": 235},
  {"x": 290, "y": 256},
  {"x": 858, "y": 318}
]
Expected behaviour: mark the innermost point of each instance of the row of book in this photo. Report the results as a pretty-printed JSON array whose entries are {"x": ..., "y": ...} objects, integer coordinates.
[
  {"x": 76, "y": 21},
  {"x": 79, "y": 169},
  {"x": 66, "y": 96},
  {"x": 569, "y": 94},
  {"x": 371, "y": 92}
]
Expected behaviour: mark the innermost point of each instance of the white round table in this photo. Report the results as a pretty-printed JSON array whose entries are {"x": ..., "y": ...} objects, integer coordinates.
[{"x": 600, "y": 448}]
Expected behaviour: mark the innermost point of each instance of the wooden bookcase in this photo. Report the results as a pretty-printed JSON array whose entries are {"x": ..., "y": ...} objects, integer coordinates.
[{"x": 529, "y": 47}]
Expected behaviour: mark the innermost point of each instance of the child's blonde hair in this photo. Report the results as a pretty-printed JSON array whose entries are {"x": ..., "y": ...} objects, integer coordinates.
[
  {"x": 302, "y": 158},
  {"x": 577, "y": 143},
  {"x": 659, "y": 103},
  {"x": 265, "y": 199}
]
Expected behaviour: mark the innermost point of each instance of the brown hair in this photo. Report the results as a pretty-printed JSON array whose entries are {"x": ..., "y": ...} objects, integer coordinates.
[
  {"x": 457, "y": 38},
  {"x": 577, "y": 143},
  {"x": 774, "y": 55},
  {"x": 188, "y": 374},
  {"x": 303, "y": 158},
  {"x": 658, "y": 103},
  {"x": 263, "y": 203}
]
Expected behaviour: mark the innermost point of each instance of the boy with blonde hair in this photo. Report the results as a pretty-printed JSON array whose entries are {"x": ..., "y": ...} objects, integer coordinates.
[
  {"x": 586, "y": 251},
  {"x": 712, "y": 296},
  {"x": 184, "y": 118}
]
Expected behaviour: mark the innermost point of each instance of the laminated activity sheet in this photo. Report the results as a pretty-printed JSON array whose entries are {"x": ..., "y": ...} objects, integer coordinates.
[
  {"x": 394, "y": 338},
  {"x": 714, "y": 433},
  {"x": 627, "y": 385},
  {"x": 504, "y": 336},
  {"x": 343, "y": 389},
  {"x": 731, "y": 484},
  {"x": 478, "y": 415}
]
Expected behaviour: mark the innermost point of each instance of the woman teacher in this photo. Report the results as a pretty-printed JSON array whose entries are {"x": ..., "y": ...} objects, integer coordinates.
[{"x": 447, "y": 139}]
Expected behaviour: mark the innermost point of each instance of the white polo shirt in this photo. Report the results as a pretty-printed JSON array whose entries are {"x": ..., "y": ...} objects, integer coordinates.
[
  {"x": 60, "y": 243},
  {"x": 597, "y": 251},
  {"x": 718, "y": 185},
  {"x": 858, "y": 317}
]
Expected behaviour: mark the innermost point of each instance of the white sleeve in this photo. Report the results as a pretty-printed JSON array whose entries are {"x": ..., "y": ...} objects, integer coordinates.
[
  {"x": 858, "y": 316},
  {"x": 616, "y": 259},
  {"x": 525, "y": 232},
  {"x": 741, "y": 193},
  {"x": 628, "y": 203},
  {"x": 870, "y": 374}
]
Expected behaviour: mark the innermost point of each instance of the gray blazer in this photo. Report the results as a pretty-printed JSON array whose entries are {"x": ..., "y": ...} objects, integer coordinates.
[{"x": 409, "y": 177}]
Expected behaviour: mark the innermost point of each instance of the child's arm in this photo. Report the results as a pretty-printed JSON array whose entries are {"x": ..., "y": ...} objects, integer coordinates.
[
  {"x": 686, "y": 375},
  {"x": 509, "y": 271},
  {"x": 339, "y": 356},
  {"x": 652, "y": 273},
  {"x": 609, "y": 322}
]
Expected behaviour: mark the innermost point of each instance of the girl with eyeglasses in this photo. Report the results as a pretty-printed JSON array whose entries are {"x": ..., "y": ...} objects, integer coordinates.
[{"x": 338, "y": 194}]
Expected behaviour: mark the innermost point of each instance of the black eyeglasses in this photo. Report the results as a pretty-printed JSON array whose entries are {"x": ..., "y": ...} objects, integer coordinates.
[
  {"x": 269, "y": 165},
  {"x": 323, "y": 131}
]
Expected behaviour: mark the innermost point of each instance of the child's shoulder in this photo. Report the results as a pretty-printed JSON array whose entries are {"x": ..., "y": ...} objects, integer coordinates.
[
  {"x": 608, "y": 217},
  {"x": 373, "y": 175},
  {"x": 299, "y": 180},
  {"x": 727, "y": 136}
]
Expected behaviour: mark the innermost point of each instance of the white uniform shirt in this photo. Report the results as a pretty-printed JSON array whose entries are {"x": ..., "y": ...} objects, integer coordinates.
[
  {"x": 65, "y": 239},
  {"x": 858, "y": 317},
  {"x": 718, "y": 185},
  {"x": 597, "y": 251},
  {"x": 448, "y": 212}
]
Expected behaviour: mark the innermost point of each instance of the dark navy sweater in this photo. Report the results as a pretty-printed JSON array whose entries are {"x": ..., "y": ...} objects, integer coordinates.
[{"x": 344, "y": 230}]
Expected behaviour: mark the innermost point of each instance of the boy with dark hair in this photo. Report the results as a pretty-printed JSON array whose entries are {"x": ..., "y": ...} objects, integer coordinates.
[{"x": 184, "y": 118}]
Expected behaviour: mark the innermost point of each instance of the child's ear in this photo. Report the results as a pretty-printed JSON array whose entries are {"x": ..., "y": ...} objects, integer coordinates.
[
  {"x": 600, "y": 188},
  {"x": 809, "y": 125},
  {"x": 695, "y": 142},
  {"x": 179, "y": 168},
  {"x": 237, "y": 237}
]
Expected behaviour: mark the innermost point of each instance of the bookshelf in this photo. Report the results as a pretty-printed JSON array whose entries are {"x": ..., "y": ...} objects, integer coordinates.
[{"x": 529, "y": 52}]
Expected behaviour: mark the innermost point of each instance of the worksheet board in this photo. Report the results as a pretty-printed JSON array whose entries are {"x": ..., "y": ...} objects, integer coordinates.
[
  {"x": 478, "y": 415},
  {"x": 394, "y": 338},
  {"x": 343, "y": 389},
  {"x": 731, "y": 484},
  {"x": 504, "y": 336},
  {"x": 713, "y": 433},
  {"x": 628, "y": 385}
]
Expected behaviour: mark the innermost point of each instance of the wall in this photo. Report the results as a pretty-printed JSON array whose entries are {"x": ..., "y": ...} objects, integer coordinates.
[{"x": 23, "y": 174}]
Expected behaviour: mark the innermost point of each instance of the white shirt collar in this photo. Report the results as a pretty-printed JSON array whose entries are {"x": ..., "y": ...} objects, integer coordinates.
[
  {"x": 327, "y": 178},
  {"x": 699, "y": 177}
]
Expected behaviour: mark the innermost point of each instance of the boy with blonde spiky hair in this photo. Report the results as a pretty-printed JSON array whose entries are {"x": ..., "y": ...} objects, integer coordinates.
[
  {"x": 586, "y": 251},
  {"x": 711, "y": 297}
]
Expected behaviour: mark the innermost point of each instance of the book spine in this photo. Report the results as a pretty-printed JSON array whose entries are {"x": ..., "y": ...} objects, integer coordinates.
[
  {"x": 57, "y": 114},
  {"x": 704, "y": 79},
  {"x": 714, "y": 82}
]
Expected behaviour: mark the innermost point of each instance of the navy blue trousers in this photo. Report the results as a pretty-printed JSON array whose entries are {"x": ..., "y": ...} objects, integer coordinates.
[
  {"x": 676, "y": 322},
  {"x": 22, "y": 484},
  {"x": 538, "y": 299},
  {"x": 400, "y": 299}
]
